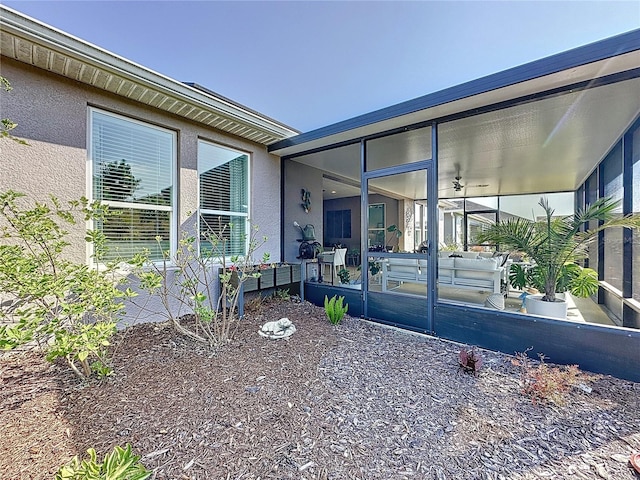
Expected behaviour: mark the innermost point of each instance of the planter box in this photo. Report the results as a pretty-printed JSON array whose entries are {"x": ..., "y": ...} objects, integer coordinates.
[
  {"x": 267, "y": 278},
  {"x": 283, "y": 275},
  {"x": 250, "y": 284},
  {"x": 296, "y": 270},
  {"x": 270, "y": 278}
]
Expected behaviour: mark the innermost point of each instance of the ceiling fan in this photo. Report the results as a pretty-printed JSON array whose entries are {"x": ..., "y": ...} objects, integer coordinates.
[{"x": 457, "y": 186}]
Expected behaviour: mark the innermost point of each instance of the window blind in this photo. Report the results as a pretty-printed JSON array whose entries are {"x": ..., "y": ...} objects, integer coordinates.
[
  {"x": 131, "y": 162},
  {"x": 132, "y": 165},
  {"x": 224, "y": 199}
]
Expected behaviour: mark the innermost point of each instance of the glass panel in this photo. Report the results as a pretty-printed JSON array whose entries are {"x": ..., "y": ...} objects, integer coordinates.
[
  {"x": 133, "y": 162},
  {"x": 477, "y": 223},
  {"x": 130, "y": 230},
  {"x": 376, "y": 230},
  {"x": 475, "y": 204},
  {"x": 420, "y": 225},
  {"x": 398, "y": 149},
  {"x": 451, "y": 224},
  {"x": 397, "y": 223},
  {"x": 527, "y": 206},
  {"x": 591, "y": 195},
  {"x": 635, "y": 155},
  {"x": 224, "y": 199},
  {"x": 223, "y": 234},
  {"x": 224, "y": 179},
  {"x": 337, "y": 226},
  {"x": 480, "y": 276},
  {"x": 334, "y": 176},
  {"x": 612, "y": 180}
]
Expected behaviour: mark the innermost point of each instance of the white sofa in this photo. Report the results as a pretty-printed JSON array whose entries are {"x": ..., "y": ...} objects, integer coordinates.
[
  {"x": 410, "y": 270},
  {"x": 473, "y": 273},
  {"x": 470, "y": 271}
]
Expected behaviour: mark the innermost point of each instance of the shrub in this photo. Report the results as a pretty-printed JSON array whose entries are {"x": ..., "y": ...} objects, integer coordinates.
[
  {"x": 545, "y": 383},
  {"x": 470, "y": 361},
  {"x": 120, "y": 464},
  {"x": 335, "y": 309},
  {"x": 68, "y": 309},
  {"x": 282, "y": 294},
  {"x": 185, "y": 283}
]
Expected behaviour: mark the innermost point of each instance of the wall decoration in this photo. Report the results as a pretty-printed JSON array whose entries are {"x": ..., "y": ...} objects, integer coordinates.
[
  {"x": 408, "y": 218},
  {"x": 306, "y": 200}
]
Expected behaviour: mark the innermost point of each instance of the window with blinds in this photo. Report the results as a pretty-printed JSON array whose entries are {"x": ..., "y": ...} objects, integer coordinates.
[
  {"x": 224, "y": 199},
  {"x": 132, "y": 167}
]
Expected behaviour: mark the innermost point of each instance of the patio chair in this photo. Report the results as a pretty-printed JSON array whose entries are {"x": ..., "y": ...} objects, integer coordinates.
[{"x": 337, "y": 259}]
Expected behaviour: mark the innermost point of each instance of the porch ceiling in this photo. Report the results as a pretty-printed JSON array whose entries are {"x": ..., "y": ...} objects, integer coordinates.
[
  {"x": 35, "y": 43},
  {"x": 551, "y": 145},
  {"x": 539, "y": 135}
]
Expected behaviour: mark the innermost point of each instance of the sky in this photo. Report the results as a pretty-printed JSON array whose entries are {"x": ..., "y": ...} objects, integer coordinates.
[{"x": 312, "y": 64}]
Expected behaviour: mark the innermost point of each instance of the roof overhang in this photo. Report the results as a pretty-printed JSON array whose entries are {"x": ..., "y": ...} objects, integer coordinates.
[
  {"x": 30, "y": 41},
  {"x": 616, "y": 58}
]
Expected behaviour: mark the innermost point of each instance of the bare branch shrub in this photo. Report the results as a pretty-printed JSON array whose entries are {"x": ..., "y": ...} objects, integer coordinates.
[{"x": 187, "y": 282}]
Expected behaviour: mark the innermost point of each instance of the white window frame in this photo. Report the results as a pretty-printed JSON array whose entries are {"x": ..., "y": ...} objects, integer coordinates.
[
  {"x": 209, "y": 211},
  {"x": 384, "y": 222},
  {"x": 173, "y": 223}
]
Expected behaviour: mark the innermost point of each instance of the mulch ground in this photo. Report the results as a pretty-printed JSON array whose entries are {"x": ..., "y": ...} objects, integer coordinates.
[{"x": 357, "y": 401}]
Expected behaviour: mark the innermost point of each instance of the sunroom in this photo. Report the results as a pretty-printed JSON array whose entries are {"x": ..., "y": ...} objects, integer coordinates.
[{"x": 405, "y": 191}]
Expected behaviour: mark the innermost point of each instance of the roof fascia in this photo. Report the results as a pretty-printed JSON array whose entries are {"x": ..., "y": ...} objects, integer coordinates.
[
  {"x": 594, "y": 52},
  {"x": 16, "y": 23}
]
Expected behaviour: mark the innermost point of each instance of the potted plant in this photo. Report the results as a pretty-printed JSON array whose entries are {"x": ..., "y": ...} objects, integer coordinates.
[
  {"x": 344, "y": 276},
  {"x": 554, "y": 245},
  {"x": 394, "y": 233}
]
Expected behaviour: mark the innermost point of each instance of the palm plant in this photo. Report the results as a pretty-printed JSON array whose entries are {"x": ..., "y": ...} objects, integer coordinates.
[
  {"x": 555, "y": 244},
  {"x": 394, "y": 233}
]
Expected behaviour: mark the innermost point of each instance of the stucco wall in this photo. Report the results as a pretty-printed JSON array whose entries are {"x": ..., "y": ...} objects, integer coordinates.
[
  {"x": 296, "y": 177},
  {"x": 52, "y": 116}
]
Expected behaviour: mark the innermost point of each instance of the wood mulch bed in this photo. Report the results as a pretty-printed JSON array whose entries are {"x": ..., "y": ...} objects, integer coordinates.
[{"x": 357, "y": 401}]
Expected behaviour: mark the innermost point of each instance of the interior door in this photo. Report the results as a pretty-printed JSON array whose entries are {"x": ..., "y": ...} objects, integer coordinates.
[{"x": 399, "y": 281}]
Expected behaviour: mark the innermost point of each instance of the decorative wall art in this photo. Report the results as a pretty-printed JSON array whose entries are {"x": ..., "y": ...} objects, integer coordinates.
[{"x": 306, "y": 200}]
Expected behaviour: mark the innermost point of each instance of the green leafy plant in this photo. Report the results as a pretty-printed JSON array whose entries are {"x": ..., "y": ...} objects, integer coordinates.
[
  {"x": 394, "y": 233},
  {"x": 282, "y": 294},
  {"x": 6, "y": 124},
  {"x": 185, "y": 283},
  {"x": 470, "y": 360},
  {"x": 335, "y": 309},
  {"x": 555, "y": 244},
  {"x": 546, "y": 383},
  {"x": 120, "y": 464},
  {"x": 581, "y": 282},
  {"x": 374, "y": 267},
  {"x": 343, "y": 275},
  {"x": 68, "y": 309}
]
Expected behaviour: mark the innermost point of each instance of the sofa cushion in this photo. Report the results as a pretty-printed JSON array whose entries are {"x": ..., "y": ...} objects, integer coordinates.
[
  {"x": 480, "y": 268},
  {"x": 402, "y": 268},
  {"x": 444, "y": 268}
]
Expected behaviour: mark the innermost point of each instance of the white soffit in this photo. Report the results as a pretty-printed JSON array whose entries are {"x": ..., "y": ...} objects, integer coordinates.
[{"x": 30, "y": 41}]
